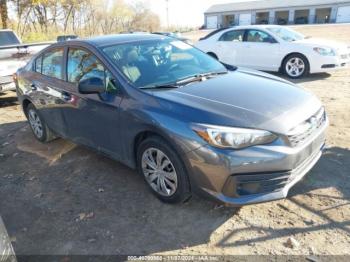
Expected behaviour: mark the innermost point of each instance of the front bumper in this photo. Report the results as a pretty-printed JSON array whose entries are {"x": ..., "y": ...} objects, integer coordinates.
[
  {"x": 322, "y": 64},
  {"x": 256, "y": 174}
]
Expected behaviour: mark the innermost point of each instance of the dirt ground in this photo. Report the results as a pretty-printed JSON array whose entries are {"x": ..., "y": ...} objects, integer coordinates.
[{"x": 60, "y": 198}]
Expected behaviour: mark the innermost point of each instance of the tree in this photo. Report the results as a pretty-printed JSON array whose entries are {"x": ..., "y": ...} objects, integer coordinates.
[
  {"x": 144, "y": 18},
  {"x": 3, "y": 13},
  {"x": 37, "y": 20}
]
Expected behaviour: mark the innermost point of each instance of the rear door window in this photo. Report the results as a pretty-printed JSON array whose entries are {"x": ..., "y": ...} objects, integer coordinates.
[
  {"x": 52, "y": 62},
  {"x": 233, "y": 36}
]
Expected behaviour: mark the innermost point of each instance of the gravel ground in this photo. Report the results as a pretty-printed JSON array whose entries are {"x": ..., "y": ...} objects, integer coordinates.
[{"x": 60, "y": 198}]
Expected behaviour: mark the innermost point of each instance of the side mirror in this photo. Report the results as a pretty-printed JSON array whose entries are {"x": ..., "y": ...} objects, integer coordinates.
[
  {"x": 229, "y": 67},
  {"x": 92, "y": 85}
]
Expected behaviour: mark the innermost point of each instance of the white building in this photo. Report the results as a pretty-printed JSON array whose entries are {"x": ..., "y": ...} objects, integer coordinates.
[{"x": 278, "y": 12}]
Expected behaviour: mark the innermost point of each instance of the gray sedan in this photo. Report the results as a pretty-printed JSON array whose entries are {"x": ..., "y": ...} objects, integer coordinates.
[{"x": 186, "y": 122}]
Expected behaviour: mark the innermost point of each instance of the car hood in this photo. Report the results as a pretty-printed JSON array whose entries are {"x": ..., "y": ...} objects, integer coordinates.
[
  {"x": 243, "y": 98},
  {"x": 319, "y": 42},
  {"x": 9, "y": 67},
  {"x": 11, "y": 60}
]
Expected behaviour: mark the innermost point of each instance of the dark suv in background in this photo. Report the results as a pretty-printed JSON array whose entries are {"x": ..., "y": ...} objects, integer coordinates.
[{"x": 178, "y": 116}]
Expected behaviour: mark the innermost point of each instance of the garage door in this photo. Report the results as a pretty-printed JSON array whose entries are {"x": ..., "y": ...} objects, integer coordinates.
[
  {"x": 212, "y": 22},
  {"x": 245, "y": 19},
  {"x": 343, "y": 15}
]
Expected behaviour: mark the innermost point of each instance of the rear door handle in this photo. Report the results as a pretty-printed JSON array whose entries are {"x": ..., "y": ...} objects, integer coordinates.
[
  {"x": 33, "y": 87},
  {"x": 66, "y": 96}
]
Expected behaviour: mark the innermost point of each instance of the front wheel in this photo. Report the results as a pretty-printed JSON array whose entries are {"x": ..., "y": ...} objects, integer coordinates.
[
  {"x": 163, "y": 170},
  {"x": 295, "y": 66}
]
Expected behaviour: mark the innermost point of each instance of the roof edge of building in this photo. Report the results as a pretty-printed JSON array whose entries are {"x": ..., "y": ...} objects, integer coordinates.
[{"x": 254, "y": 5}]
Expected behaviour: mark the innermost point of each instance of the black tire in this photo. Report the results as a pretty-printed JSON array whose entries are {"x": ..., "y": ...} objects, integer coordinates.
[
  {"x": 183, "y": 190},
  {"x": 295, "y": 56},
  {"x": 213, "y": 55},
  {"x": 47, "y": 135}
]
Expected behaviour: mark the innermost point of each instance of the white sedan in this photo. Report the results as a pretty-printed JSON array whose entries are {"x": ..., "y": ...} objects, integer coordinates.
[{"x": 275, "y": 48}]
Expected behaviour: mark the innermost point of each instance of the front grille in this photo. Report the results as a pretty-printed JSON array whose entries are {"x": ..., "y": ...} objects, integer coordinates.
[
  {"x": 302, "y": 132},
  {"x": 247, "y": 184},
  {"x": 328, "y": 66}
]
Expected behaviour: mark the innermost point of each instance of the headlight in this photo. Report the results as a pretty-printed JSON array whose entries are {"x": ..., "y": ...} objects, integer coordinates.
[
  {"x": 232, "y": 137},
  {"x": 324, "y": 51}
]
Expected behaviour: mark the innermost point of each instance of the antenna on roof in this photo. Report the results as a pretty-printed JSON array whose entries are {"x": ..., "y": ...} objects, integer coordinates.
[{"x": 167, "y": 12}]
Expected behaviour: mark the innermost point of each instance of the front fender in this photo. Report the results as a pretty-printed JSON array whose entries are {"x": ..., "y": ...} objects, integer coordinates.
[{"x": 160, "y": 122}]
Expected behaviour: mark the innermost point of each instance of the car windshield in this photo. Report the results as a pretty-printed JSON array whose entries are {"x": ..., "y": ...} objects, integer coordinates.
[
  {"x": 286, "y": 34},
  {"x": 153, "y": 63}
]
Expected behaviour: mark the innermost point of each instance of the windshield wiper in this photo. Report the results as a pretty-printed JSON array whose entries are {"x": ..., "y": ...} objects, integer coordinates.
[
  {"x": 199, "y": 77},
  {"x": 165, "y": 86},
  {"x": 187, "y": 80}
]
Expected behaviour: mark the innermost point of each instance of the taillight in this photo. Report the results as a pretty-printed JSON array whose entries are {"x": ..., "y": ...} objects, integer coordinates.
[{"x": 14, "y": 77}]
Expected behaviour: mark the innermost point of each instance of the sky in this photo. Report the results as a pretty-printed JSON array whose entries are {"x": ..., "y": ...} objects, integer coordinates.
[{"x": 184, "y": 12}]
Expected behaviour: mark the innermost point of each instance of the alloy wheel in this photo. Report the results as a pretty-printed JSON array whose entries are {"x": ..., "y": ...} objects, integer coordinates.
[
  {"x": 295, "y": 67},
  {"x": 159, "y": 172},
  {"x": 35, "y": 123}
]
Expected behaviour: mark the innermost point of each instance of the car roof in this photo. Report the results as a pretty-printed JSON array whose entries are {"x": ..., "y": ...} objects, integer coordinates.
[
  {"x": 252, "y": 27},
  {"x": 240, "y": 27},
  {"x": 107, "y": 40}
]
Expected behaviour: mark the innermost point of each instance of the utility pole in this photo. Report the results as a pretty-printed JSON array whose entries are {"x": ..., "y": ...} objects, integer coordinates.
[{"x": 167, "y": 13}]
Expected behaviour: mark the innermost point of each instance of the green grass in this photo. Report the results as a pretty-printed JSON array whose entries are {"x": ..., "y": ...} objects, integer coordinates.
[{"x": 32, "y": 37}]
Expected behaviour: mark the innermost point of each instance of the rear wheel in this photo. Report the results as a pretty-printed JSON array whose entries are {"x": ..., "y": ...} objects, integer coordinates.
[
  {"x": 40, "y": 130},
  {"x": 295, "y": 66},
  {"x": 163, "y": 170}
]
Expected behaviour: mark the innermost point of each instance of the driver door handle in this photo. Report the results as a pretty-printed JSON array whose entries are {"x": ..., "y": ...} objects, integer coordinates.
[{"x": 33, "y": 87}]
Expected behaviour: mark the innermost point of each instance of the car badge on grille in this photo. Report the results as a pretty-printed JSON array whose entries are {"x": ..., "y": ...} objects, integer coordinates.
[{"x": 313, "y": 122}]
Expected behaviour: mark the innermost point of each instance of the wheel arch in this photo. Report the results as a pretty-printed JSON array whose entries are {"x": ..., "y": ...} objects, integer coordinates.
[
  {"x": 142, "y": 135},
  {"x": 25, "y": 103}
]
